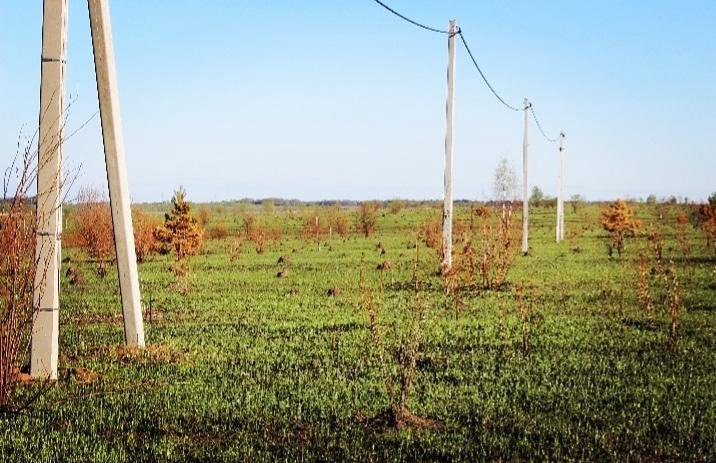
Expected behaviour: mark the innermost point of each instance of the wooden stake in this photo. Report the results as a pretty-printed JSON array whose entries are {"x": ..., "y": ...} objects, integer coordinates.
[
  {"x": 45, "y": 329},
  {"x": 108, "y": 92},
  {"x": 448, "y": 201}
]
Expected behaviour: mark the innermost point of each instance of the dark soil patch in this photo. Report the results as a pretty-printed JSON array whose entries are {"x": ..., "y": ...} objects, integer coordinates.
[{"x": 399, "y": 418}]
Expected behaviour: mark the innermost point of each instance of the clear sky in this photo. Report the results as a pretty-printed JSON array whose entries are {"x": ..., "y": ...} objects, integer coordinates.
[{"x": 340, "y": 99}]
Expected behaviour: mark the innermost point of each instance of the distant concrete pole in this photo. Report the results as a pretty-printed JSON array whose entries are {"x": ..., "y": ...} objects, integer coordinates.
[
  {"x": 560, "y": 190},
  {"x": 525, "y": 186},
  {"x": 450, "y": 110},
  {"x": 108, "y": 93},
  {"x": 45, "y": 329}
]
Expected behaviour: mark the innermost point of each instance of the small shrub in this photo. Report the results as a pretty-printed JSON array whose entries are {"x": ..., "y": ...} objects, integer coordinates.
[
  {"x": 619, "y": 221},
  {"x": 431, "y": 233},
  {"x": 91, "y": 228},
  {"x": 366, "y": 218},
  {"x": 673, "y": 305},
  {"x": 682, "y": 233},
  {"x": 219, "y": 231},
  {"x": 18, "y": 272},
  {"x": 643, "y": 287},
  {"x": 313, "y": 229},
  {"x": 494, "y": 250},
  {"x": 339, "y": 225},
  {"x": 203, "y": 216},
  {"x": 145, "y": 243},
  {"x": 707, "y": 221},
  {"x": 396, "y": 205}
]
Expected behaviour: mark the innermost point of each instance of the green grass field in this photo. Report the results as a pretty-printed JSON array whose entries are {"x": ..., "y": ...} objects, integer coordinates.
[{"x": 250, "y": 367}]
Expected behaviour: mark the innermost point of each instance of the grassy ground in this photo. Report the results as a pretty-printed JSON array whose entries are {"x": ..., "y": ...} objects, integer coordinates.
[{"x": 251, "y": 367}]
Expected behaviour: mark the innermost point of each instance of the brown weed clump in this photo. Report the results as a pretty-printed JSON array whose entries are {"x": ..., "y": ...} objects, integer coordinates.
[
  {"x": 619, "y": 221},
  {"x": 707, "y": 220},
  {"x": 493, "y": 250},
  {"x": 658, "y": 285},
  {"x": 643, "y": 287},
  {"x": 431, "y": 233},
  {"x": 682, "y": 233},
  {"x": 262, "y": 236},
  {"x": 405, "y": 354}
]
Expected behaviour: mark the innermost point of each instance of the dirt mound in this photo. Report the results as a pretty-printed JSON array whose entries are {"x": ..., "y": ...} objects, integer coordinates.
[{"x": 399, "y": 418}]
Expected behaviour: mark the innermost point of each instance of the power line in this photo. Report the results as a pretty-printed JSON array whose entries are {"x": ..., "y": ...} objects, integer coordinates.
[
  {"x": 415, "y": 23},
  {"x": 474, "y": 61},
  {"x": 482, "y": 74},
  {"x": 539, "y": 126}
]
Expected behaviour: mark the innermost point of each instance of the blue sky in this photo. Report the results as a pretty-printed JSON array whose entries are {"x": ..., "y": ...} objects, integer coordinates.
[{"x": 340, "y": 99}]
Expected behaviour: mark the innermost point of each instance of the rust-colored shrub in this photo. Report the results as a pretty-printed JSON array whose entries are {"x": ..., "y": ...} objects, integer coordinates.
[
  {"x": 18, "y": 271},
  {"x": 260, "y": 236},
  {"x": 494, "y": 249},
  {"x": 431, "y": 233},
  {"x": 619, "y": 221},
  {"x": 682, "y": 232},
  {"x": 313, "y": 228},
  {"x": 396, "y": 205},
  {"x": 144, "y": 224},
  {"x": 339, "y": 224},
  {"x": 219, "y": 231},
  {"x": 203, "y": 216},
  {"x": 367, "y": 218},
  {"x": 707, "y": 220},
  {"x": 91, "y": 228}
]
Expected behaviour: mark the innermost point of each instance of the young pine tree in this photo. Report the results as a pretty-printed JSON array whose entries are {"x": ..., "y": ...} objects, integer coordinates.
[{"x": 181, "y": 235}]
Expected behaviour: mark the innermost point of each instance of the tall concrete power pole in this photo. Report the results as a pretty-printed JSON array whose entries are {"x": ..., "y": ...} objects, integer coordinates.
[
  {"x": 45, "y": 334},
  {"x": 448, "y": 200},
  {"x": 525, "y": 186},
  {"x": 45, "y": 329}
]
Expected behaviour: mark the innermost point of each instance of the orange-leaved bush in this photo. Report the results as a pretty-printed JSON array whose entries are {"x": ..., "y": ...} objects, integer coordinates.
[{"x": 619, "y": 221}]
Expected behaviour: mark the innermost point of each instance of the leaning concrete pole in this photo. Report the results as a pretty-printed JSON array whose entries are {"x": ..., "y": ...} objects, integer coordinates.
[
  {"x": 525, "y": 186},
  {"x": 106, "y": 75},
  {"x": 45, "y": 329},
  {"x": 450, "y": 110}
]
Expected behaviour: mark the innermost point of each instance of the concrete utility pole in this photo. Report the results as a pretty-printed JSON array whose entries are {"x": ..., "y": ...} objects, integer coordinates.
[
  {"x": 45, "y": 329},
  {"x": 108, "y": 93},
  {"x": 560, "y": 192},
  {"x": 525, "y": 186},
  {"x": 450, "y": 110}
]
